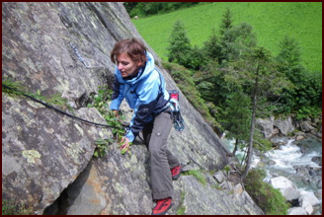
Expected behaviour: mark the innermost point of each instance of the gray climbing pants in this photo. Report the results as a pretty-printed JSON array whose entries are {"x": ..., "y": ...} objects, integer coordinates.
[{"x": 161, "y": 159}]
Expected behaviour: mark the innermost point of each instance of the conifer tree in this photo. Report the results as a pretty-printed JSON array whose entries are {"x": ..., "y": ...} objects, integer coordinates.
[
  {"x": 227, "y": 22},
  {"x": 237, "y": 41},
  {"x": 226, "y": 39},
  {"x": 179, "y": 45},
  {"x": 289, "y": 58},
  {"x": 256, "y": 72},
  {"x": 212, "y": 47},
  {"x": 236, "y": 117},
  {"x": 305, "y": 97}
]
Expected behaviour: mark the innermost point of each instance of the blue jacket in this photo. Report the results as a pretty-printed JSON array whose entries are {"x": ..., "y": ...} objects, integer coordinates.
[{"x": 145, "y": 93}]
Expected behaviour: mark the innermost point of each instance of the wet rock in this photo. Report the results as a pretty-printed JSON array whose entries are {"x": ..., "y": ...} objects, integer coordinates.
[
  {"x": 310, "y": 144},
  {"x": 286, "y": 187},
  {"x": 309, "y": 197},
  {"x": 311, "y": 176},
  {"x": 299, "y": 137},
  {"x": 307, "y": 206},
  {"x": 297, "y": 211}
]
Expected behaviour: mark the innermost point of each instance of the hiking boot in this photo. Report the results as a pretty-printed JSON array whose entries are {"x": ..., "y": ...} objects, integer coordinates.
[
  {"x": 162, "y": 206},
  {"x": 175, "y": 171}
]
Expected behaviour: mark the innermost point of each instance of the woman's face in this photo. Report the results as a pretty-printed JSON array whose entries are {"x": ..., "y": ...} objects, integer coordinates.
[{"x": 126, "y": 65}]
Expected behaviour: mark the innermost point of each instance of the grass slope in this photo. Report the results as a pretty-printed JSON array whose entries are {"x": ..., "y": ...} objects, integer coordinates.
[{"x": 271, "y": 21}]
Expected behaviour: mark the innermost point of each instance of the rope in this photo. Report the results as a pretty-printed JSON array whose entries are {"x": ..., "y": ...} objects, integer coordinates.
[{"x": 59, "y": 110}]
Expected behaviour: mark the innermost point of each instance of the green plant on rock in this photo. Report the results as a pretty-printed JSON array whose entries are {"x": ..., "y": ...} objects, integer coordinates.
[
  {"x": 270, "y": 200},
  {"x": 14, "y": 208},
  {"x": 227, "y": 170},
  {"x": 217, "y": 187},
  {"x": 99, "y": 101},
  {"x": 56, "y": 99},
  {"x": 124, "y": 150},
  {"x": 101, "y": 147},
  {"x": 16, "y": 88},
  {"x": 117, "y": 127},
  {"x": 197, "y": 174}
]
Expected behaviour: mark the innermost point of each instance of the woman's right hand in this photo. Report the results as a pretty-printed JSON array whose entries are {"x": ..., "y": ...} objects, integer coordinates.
[{"x": 116, "y": 113}]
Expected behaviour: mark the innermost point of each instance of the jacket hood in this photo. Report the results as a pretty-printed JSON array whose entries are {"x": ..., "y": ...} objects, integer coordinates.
[{"x": 142, "y": 74}]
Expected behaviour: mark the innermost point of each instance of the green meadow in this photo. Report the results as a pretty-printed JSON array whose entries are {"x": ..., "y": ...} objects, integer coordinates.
[{"x": 271, "y": 21}]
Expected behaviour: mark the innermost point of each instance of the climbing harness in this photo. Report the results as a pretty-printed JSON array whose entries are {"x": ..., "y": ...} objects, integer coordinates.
[
  {"x": 178, "y": 122},
  {"x": 177, "y": 119}
]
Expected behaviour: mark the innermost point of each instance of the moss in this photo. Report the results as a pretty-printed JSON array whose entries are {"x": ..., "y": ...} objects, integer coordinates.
[
  {"x": 217, "y": 187},
  {"x": 197, "y": 174},
  {"x": 14, "y": 208},
  {"x": 13, "y": 88},
  {"x": 16, "y": 89},
  {"x": 270, "y": 200},
  {"x": 227, "y": 170}
]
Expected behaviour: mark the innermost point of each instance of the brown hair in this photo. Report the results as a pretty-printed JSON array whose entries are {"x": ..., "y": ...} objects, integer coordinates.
[{"x": 134, "y": 48}]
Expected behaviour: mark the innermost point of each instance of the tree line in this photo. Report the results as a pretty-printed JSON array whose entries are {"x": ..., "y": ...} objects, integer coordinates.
[
  {"x": 143, "y": 9},
  {"x": 240, "y": 80}
]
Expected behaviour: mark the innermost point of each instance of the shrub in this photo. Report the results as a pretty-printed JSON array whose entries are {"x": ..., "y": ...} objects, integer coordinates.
[
  {"x": 270, "y": 200},
  {"x": 182, "y": 77}
]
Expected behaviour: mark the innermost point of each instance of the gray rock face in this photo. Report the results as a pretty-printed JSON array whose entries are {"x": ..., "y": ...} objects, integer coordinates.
[
  {"x": 271, "y": 127},
  {"x": 285, "y": 126},
  {"x": 266, "y": 126},
  {"x": 63, "y": 48},
  {"x": 201, "y": 200},
  {"x": 306, "y": 126}
]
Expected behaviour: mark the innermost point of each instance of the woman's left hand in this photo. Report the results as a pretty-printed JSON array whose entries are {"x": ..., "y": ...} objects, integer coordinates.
[{"x": 124, "y": 145}]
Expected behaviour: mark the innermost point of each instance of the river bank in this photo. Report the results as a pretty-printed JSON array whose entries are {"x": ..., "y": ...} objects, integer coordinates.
[
  {"x": 294, "y": 165},
  {"x": 294, "y": 169},
  {"x": 302, "y": 171}
]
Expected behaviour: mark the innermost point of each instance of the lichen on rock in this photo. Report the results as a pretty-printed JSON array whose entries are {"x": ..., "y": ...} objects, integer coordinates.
[{"x": 31, "y": 155}]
